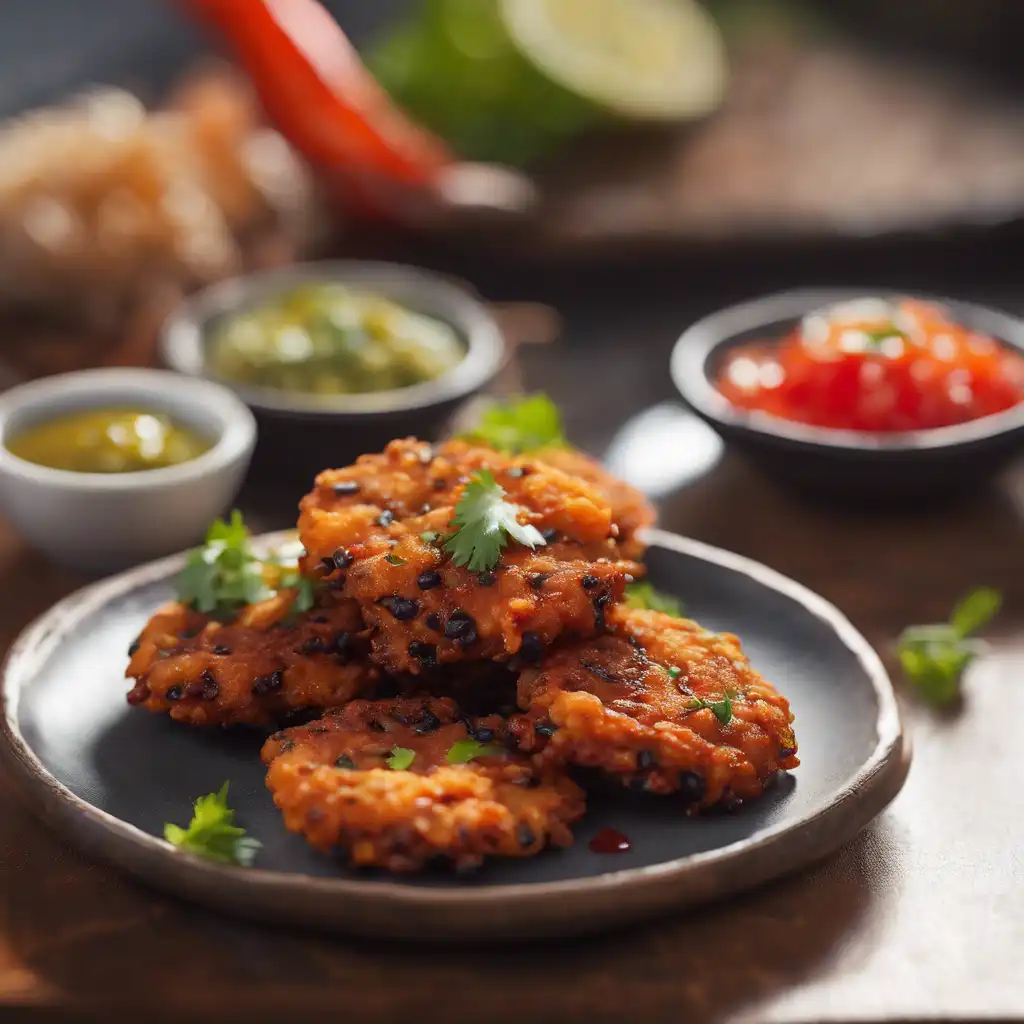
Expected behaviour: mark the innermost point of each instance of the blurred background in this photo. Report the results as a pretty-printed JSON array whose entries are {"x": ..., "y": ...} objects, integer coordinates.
[{"x": 712, "y": 153}]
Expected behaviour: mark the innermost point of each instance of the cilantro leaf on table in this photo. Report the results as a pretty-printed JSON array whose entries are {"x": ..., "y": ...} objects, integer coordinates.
[
  {"x": 644, "y": 595},
  {"x": 518, "y": 425},
  {"x": 212, "y": 832},
  {"x": 485, "y": 523},
  {"x": 934, "y": 658},
  {"x": 464, "y": 751},
  {"x": 224, "y": 573},
  {"x": 401, "y": 758}
]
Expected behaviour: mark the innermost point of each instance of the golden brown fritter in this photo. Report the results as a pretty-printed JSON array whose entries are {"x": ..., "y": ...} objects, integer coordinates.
[
  {"x": 630, "y": 702},
  {"x": 630, "y": 509},
  {"x": 254, "y": 670},
  {"x": 373, "y": 529},
  {"x": 332, "y": 782}
]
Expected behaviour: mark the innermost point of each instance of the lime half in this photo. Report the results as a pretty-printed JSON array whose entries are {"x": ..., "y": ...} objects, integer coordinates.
[{"x": 644, "y": 60}]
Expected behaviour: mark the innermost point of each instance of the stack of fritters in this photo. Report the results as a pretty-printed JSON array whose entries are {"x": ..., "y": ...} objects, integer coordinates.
[{"x": 455, "y": 702}]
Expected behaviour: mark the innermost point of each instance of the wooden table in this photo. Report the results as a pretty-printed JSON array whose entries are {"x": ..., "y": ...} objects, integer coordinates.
[{"x": 920, "y": 917}]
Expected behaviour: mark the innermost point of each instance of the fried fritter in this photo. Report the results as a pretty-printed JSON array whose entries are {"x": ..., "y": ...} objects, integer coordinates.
[
  {"x": 332, "y": 782},
  {"x": 635, "y": 703},
  {"x": 630, "y": 509},
  {"x": 255, "y": 670},
  {"x": 373, "y": 529}
]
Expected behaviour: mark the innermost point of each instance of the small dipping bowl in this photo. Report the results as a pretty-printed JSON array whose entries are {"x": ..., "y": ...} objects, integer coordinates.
[
  {"x": 891, "y": 467},
  {"x": 302, "y": 434},
  {"x": 102, "y": 522}
]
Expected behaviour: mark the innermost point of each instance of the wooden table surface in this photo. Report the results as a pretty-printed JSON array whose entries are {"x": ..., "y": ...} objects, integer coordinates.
[{"x": 922, "y": 916}]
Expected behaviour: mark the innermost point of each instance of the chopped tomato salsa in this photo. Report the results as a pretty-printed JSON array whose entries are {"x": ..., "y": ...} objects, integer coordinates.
[{"x": 877, "y": 366}]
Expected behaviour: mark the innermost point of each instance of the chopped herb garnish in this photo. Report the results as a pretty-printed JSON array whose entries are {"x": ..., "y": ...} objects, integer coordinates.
[
  {"x": 874, "y": 336},
  {"x": 401, "y": 758},
  {"x": 485, "y": 522},
  {"x": 429, "y": 536},
  {"x": 394, "y": 560},
  {"x": 642, "y": 594},
  {"x": 935, "y": 657},
  {"x": 722, "y": 709},
  {"x": 212, "y": 832},
  {"x": 522, "y": 424},
  {"x": 226, "y": 573},
  {"x": 674, "y": 672},
  {"x": 464, "y": 751}
]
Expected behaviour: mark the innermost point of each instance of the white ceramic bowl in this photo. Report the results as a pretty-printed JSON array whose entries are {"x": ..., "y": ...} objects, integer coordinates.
[{"x": 101, "y": 522}]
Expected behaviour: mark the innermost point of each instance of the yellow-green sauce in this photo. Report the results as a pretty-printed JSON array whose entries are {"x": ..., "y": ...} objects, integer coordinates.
[
  {"x": 327, "y": 340},
  {"x": 108, "y": 441}
]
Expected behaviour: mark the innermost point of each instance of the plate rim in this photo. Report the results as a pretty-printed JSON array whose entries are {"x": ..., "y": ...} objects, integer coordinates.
[{"x": 307, "y": 899}]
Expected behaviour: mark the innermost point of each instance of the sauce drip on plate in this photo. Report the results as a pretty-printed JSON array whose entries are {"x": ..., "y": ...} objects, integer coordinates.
[
  {"x": 608, "y": 840},
  {"x": 876, "y": 366}
]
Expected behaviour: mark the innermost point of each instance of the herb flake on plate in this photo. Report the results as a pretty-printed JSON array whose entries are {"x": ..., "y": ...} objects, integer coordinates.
[{"x": 212, "y": 832}]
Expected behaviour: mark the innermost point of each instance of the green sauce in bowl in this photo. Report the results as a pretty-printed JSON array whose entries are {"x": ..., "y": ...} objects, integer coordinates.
[{"x": 326, "y": 339}]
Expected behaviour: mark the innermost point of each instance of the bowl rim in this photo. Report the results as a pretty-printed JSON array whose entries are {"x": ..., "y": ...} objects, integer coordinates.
[
  {"x": 697, "y": 346},
  {"x": 236, "y": 426},
  {"x": 182, "y": 341}
]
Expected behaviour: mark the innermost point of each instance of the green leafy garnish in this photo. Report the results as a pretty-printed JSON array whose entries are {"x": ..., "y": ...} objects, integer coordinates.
[
  {"x": 429, "y": 536},
  {"x": 642, "y": 594},
  {"x": 394, "y": 560},
  {"x": 935, "y": 657},
  {"x": 876, "y": 335},
  {"x": 485, "y": 522},
  {"x": 519, "y": 425},
  {"x": 464, "y": 751},
  {"x": 401, "y": 758},
  {"x": 212, "y": 832},
  {"x": 224, "y": 573},
  {"x": 674, "y": 672},
  {"x": 722, "y": 708}
]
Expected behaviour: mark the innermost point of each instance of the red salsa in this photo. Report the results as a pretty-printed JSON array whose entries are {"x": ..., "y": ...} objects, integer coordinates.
[{"x": 877, "y": 366}]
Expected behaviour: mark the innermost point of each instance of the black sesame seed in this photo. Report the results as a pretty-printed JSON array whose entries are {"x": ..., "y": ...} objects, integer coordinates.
[
  {"x": 439, "y": 484},
  {"x": 786, "y": 752},
  {"x": 319, "y": 618},
  {"x": 342, "y": 558},
  {"x": 345, "y": 762},
  {"x": 459, "y": 624},
  {"x": 537, "y": 582},
  {"x": 483, "y": 734},
  {"x": 547, "y": 729},
  {"x": 328, "y": 563},
  {"x": 342, "y": 642},
  {"x": 428, "y": 723},
  {"x": 175, "y": 693},
  {"x": 525, "y": 836},
  {"x": 589, "y": 582},
  {"x": 286, "y": 745},
  {"x": 221, "y": 649},
  {"x": 549, "y": 534},
  {"x": 134, "y": 646},
  {"x": 403, "y": 608},
  {"x": 487, "y": 579},
  {"x": 346, "y": 488},
  {"x": 386, "y": 518},
  {"x": 433, "y": 621},
  {"x": 262, "y": 685},
  {"x": 313, "y": 645},
  {"x": 600, "y": 602},
  {"x": 428, "y": 580},
  {"x": 532, "y": 649},
  {"x": 211, "y": 688},
  {"x": 692, "y": 786},
  {"x": 188, "y": 634},
  {"x": 425, "y": 654},
  {"x": 645, "y": 759}
]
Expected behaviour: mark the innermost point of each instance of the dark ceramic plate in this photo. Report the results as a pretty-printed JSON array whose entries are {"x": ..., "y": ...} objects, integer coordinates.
[
  {"x": 880, "y": 467},
  {"x": 108, "y": 777}
]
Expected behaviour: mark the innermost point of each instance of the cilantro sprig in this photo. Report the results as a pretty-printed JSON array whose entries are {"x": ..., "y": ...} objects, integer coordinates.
[
  {"x": 212, "y": 832},
  {"x": 934, "y": 658},
  {"x": 464, "y": 751},
  {"x": 226, "y": 573},
  {"x": 644, "y": 595},
  {"x": 522, "y": 424},
  {"x": 401, "y": 758},
  {"x": 485, "y": 523}
]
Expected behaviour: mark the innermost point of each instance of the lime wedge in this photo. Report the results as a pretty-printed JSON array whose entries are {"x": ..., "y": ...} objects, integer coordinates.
[{"x": 643, "y": 60}]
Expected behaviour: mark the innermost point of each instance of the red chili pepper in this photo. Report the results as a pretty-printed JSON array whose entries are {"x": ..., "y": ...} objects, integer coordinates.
[{"x": 320, "y": 96}]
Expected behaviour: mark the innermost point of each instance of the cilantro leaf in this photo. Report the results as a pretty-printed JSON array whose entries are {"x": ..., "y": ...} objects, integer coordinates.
[
  {"x": 212, "y": 832},
  {"x": 393, "y": 559},
  {"x": 642, "y": 594},
  {"x": 484, "y": 524},
  {"x": 522, "y": 424},
  {"x": 722, "y": 709},
  {"x": 934, "y": 658},
  {"x": 401, "y": 758},
  {"x": 464, "y": 751},
  {"x": 874, "y": 336}
]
